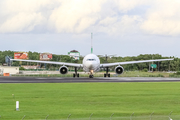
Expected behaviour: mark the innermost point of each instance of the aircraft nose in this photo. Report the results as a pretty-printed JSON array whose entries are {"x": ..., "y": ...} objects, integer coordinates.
[{"x": 90, "y": 65}]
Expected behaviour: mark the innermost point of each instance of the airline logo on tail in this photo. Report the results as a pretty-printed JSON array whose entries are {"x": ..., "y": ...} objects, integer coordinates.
[{"x": 91, "y": 43}]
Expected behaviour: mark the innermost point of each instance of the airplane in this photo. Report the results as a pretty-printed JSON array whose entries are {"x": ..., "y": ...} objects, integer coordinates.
[{"x": 91, "y": 63}]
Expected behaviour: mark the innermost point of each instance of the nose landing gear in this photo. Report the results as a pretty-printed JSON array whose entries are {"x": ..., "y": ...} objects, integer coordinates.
[{"x": 91, "y": 74}]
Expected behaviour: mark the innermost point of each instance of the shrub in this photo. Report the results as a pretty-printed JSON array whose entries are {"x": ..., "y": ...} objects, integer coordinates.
[
  {"x": 145, "y": 70},
  {"x": 21, "y": 68},
  {"x": 159, "y": 75},
  {"x": 177, "y": 73}
]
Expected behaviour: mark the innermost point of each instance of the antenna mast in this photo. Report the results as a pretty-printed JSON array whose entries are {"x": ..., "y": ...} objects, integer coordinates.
[{"x": 91, "y": 43}]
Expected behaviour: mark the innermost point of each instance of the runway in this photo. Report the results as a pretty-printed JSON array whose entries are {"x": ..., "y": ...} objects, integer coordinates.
[{"x": 84, "y": 80}]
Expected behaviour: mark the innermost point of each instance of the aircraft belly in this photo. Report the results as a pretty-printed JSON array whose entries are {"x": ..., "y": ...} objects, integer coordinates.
[{"x": 95, "y": 69}]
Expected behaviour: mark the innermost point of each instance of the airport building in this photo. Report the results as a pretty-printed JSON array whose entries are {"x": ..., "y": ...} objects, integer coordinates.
[
  {"x": 75, "y": 54},
  {"x": 8, "y": 69}
]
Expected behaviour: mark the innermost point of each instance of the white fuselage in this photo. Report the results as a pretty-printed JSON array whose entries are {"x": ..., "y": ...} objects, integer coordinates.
[{"x": 91, "y": 63}]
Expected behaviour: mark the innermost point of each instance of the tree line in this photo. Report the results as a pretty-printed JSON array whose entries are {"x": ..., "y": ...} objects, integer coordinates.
[{"x": 161, "y": 66}]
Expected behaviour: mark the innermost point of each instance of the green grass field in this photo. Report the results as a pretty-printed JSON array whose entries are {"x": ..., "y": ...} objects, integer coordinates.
[{"x": 58, "y": 100}]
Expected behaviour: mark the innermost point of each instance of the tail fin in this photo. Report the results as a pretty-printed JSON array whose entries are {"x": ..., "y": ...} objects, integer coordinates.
[{"x": 91, "y": 43}]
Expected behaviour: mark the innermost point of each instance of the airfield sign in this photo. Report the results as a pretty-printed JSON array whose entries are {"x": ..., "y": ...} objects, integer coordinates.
[{"x": 153, "y": 65}]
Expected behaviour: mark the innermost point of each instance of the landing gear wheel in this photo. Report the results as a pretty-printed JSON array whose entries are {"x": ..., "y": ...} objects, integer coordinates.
[
  {"x": 108, "y": 75},
  {"x": 75, "y": 74},
  {"x": 91, "y": 76}
]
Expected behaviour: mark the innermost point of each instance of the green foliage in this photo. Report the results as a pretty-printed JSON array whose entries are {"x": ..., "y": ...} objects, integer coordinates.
[
  {"x": 177, "y": 73},
  {"x": 22, "y": 68},
  {"x": 159, "y": 75},
  {"x": 144, "y": 74},
  {"x": 145, "y": 70},
  {"x": 161, "y": 66},
  {"x": 3, "y": 54}
]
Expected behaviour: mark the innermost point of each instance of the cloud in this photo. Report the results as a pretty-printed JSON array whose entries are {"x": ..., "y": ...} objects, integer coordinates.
[
  {"x": 113, "y": 17},
  {"x": 70, "y": 16},
  {"x": 127, "y": 5},
  {"x": 17, "y": 6},
  {"x": 75, "y": 15},
  {"x": 92, "y": 15},
  {"x": 22, "y": 22},
  {"x": 20, "y": 16},
  {"x": 163, "y": 18},
  {"x": 119, "y": 25}
]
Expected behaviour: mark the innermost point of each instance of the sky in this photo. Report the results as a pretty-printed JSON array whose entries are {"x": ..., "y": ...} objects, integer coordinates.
[{"x": 121, "y": 27}]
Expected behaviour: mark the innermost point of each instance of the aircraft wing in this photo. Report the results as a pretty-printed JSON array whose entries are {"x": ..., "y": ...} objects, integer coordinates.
[
  {"x": 50, "y": 62},
  {"x": 131, "y": 62}
]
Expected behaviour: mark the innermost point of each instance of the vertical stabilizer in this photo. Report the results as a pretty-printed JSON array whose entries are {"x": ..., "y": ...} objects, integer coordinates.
[{"x": 91, "y": 43}]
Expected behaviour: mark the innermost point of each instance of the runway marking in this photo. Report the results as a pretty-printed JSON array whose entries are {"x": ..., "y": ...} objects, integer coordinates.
[
  {"x": 40, "y": 78},
  {"x": 57, "y": 78}
]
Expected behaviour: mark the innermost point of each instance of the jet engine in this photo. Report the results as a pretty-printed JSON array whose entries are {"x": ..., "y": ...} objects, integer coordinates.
[
  {"x": 63, "y": 70},
  {"x": 119, "y": 70}
]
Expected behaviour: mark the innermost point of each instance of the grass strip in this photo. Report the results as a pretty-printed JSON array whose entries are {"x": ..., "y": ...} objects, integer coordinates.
[{"x": 58, "y": 100}]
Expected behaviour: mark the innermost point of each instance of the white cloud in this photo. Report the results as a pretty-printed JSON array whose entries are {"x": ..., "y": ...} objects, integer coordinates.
[
  {"x": 119, "y": 26},
  {"x": 22, "y": 22},
  {"x": 127, "y": 5},
  {"x": 163, "y": 18},
  {"x": 75, "y": 15},
  {"x": 112, "y": 17},
  {"x": 19, "y": 16},
  {"x": 70, "y": 16},
  {"x": 17, "y": 6}
]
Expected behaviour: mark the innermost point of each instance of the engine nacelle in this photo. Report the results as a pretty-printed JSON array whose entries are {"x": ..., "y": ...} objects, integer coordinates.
[
  {"x": 63, "y": 70},
  {"x": 119, "y": 70}
]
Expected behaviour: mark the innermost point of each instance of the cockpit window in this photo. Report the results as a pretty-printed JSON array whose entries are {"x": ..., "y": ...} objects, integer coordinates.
[{"x": 91, "y": 59}]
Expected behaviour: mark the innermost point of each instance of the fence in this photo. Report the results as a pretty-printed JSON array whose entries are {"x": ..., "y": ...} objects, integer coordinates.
[{"x": 111, "y": 117}]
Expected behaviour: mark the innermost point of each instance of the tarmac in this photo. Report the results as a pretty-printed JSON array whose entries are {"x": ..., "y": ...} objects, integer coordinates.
[{"x": 84, "y": 80}]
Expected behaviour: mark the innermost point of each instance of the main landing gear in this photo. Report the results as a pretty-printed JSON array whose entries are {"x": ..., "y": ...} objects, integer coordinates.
[
  {"x": 106, "y": 74},
  {"x": 76, "y": 74}
]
